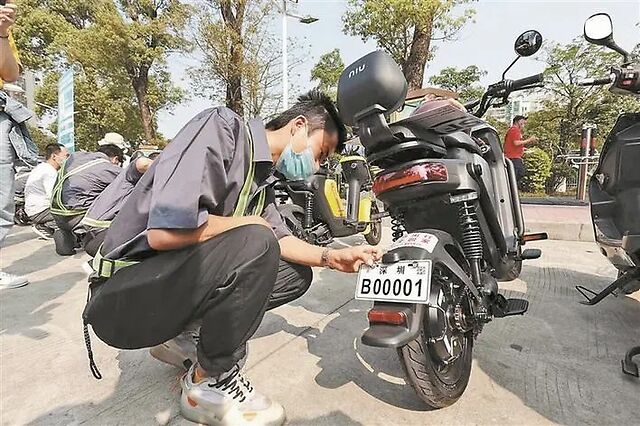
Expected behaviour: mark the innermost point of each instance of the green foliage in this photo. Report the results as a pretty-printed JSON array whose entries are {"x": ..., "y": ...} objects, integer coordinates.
[
  {"x": 568, "y": 107},
  {"x": 40, "y": 138},
  {"x": 119, "y": 49},
  {"x": 538, "y": 165},
  {"x": 463, "y": 81},
  {"x": 500, "y": 126},
  {"x": 406, "y": 28},
  {"x": 327, "y": 72},
  {"x": 242, "y": 64}
]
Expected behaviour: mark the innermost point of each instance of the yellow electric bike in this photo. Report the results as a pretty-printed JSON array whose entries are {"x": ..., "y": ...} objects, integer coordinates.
[{"x": 316, "y": 212}]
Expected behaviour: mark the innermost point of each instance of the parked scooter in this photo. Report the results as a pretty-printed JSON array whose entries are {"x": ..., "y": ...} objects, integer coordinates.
[
  {"x": 614, "y": 190},
  {"x": 317, "y": 213},
  {"x": 20, "y": 216},
  {"x": 457, "y": 222}
]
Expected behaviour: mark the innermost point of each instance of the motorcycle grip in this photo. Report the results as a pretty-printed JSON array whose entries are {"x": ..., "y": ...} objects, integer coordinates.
[{"x": 527, "y": 81}]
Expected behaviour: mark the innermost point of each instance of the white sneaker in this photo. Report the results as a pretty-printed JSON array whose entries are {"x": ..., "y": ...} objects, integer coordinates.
[
  {"x": 12, "y": 281},
  {"x": 227, "y": 400},
  {"x": 180, "y": 351}
]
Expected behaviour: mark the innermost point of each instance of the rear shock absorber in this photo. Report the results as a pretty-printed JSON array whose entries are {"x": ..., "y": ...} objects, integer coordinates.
[
  {"x": 471, "y": 238},
  {"x": 308, "y": 211},
  {"x": 397, "y": 226}
]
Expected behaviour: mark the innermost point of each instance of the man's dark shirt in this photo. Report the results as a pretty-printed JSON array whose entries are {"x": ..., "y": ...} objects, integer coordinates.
[{"x": 200, "y": 173}]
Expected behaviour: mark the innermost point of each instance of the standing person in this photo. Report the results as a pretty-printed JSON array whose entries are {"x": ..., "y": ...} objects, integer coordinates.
[
  {"x": 39, "y": 187},
  {"x": 514, "y": 145},
  {"x": 104, "y": 209},
  {"x": 15, "y": 141},
  {"x": 82, "y": 178},
  {"x": 200, "y": 239}
]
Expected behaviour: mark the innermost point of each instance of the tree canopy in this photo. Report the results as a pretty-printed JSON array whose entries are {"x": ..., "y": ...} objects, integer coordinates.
[{"x": 327, "y": 72}]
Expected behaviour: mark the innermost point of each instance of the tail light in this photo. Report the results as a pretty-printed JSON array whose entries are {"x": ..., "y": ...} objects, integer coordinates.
[
  {"x": 428, "y": 172},
  {"x": 387, "y": 317}
]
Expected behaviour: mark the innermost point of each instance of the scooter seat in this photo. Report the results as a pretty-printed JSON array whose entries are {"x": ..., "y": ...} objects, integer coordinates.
[{"x": 631, "y": 243}]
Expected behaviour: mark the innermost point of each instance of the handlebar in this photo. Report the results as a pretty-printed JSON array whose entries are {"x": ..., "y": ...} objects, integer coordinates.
[
  {"x": 597, "y": 81},
  {"x": 527, "y": 81}
]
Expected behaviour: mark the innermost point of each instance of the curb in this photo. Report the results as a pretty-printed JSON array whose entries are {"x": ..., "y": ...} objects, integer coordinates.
[{"x": 562, "y": 231}]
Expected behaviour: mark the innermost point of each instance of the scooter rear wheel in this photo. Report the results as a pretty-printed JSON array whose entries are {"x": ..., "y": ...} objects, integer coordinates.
[
  {"x": 438, "y": 382},
  {"x": 374, "y": 235}
]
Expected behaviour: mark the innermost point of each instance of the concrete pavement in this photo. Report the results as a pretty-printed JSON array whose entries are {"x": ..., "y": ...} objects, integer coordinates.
[{"x": 560, "y": 363}]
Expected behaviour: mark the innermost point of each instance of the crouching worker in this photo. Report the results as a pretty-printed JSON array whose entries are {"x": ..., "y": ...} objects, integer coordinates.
[
  {"x": 38, "y": 190},
  {"x": 79, "y": 182},
  {"x": 95, "y": 222},
  {"x": 200, "y": 240}
]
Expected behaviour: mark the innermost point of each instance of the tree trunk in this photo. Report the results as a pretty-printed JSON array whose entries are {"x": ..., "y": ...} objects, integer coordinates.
[
  {"x": 414, "y": 66},
  {"x": 234, "y": 82},
  {"x": 140, "y": 86}
]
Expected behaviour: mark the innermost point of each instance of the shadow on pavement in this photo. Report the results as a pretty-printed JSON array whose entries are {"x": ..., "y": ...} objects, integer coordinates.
[
  {"x": 343, "y": 359},
  {"x": 25, "y": 310},
  {"x": 331, "y": 419},
  {"x": 146, "y": 393},
  {"x": 562, "y": 359},
  {"x": 18, "y": 238},
  {"x": 43, "y": 258}
]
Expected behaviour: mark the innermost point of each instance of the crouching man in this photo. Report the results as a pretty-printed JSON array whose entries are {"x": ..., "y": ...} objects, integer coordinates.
[
  {"x": 106, "y": 206},
  {"x": 200, "y": 240},
  {"x": 80, "y": 180}
]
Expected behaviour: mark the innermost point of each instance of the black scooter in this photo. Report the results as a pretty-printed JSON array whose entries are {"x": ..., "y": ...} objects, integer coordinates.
[
  {"x": 614, "y": 189},
  {"x": 457, "y": 222}
]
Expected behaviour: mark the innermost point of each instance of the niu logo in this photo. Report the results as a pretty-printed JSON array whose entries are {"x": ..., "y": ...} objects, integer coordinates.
[{"x": 358, "y": 70}]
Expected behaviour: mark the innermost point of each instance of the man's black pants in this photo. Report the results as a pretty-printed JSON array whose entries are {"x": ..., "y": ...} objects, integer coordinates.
[
  {"x": 227, "y": 282},
  {"x": 64, "y": 238},
  {"x": 519, "y": 168},
  {"x": 45, "y": 219}
]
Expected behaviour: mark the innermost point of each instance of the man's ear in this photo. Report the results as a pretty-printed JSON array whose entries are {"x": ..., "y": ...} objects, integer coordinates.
[{"x": 299, "y": 122}]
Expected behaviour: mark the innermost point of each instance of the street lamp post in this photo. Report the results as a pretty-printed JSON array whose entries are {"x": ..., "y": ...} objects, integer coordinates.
[{"x": 282, "y": 6}]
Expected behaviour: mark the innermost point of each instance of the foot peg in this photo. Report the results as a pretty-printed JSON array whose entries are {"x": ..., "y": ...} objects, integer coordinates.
[
  {"x": 504, "y": 307},
  {"x": 529, "y": 254}
]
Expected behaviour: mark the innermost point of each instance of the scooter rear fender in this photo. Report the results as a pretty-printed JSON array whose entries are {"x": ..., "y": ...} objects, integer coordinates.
[{"x": 445, "y": 255}]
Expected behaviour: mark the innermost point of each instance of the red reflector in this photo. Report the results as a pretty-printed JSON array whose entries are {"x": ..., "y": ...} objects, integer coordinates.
[
  {"x": 387, "y": 317},
  {"x": 428, "y": 172}
]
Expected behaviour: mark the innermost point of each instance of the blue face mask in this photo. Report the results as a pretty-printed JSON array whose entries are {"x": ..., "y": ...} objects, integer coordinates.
[{"x": 297, "y": 165}]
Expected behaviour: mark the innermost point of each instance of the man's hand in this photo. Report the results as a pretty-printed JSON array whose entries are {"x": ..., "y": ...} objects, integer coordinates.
[
  {"x": 351, "y": 258},
  {"x": 532, "y": 139},
  {"x": 7, "y": 17}
]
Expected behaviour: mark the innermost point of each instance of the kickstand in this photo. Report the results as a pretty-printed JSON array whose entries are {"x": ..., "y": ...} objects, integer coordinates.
[
  {"x": 617, "y": 284},
  {"x": 628, "y": 366}
]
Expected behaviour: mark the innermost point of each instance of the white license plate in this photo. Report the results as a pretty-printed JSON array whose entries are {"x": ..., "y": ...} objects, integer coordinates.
[{"x": 407, "y": 281}]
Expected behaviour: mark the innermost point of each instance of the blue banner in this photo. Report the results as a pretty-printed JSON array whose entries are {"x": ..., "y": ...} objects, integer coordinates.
[{"x": 66, "y": 110}]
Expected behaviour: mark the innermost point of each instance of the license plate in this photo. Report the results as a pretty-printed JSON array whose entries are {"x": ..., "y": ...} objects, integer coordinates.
[{"x": 407, "y": 281}]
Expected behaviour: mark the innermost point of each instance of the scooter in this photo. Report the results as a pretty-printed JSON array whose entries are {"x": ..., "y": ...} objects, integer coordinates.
[
  {"x": 457, "y": 222},
  {"x": 315, "y": 212},
  {"x": 20, "y": 217},
  {"x": 614, "y": 189}
]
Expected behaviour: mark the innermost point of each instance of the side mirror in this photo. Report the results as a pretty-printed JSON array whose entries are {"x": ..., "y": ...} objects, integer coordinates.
[
  {"x": 528, "y": 43},
  {"x": 598, "y": 29}
]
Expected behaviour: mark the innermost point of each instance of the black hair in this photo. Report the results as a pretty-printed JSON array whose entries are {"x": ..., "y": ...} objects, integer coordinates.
[
  {"x": 518, "y": 118},
  {"x": 320, "y": 112},
  {"x": 51, "y": 149},
  {"x": 112, "y": 151}
]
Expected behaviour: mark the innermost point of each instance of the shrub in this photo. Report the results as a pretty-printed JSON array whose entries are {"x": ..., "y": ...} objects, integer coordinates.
[{"x": 538, "y": 165}]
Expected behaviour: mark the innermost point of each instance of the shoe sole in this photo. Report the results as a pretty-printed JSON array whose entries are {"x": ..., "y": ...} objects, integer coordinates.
[
  {"x": 164, "y": 354},
  {"x": 197, "y": 415},
  {"x": 7, "y": 287},
  {"x": 41, "y": 234}
]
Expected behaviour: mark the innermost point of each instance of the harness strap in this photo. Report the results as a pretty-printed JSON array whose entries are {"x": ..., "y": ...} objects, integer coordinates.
[
  {"x": 105, "y": 268},
  {"x": 95, "y": 223},
  {"x": 57, "y": 206}
]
